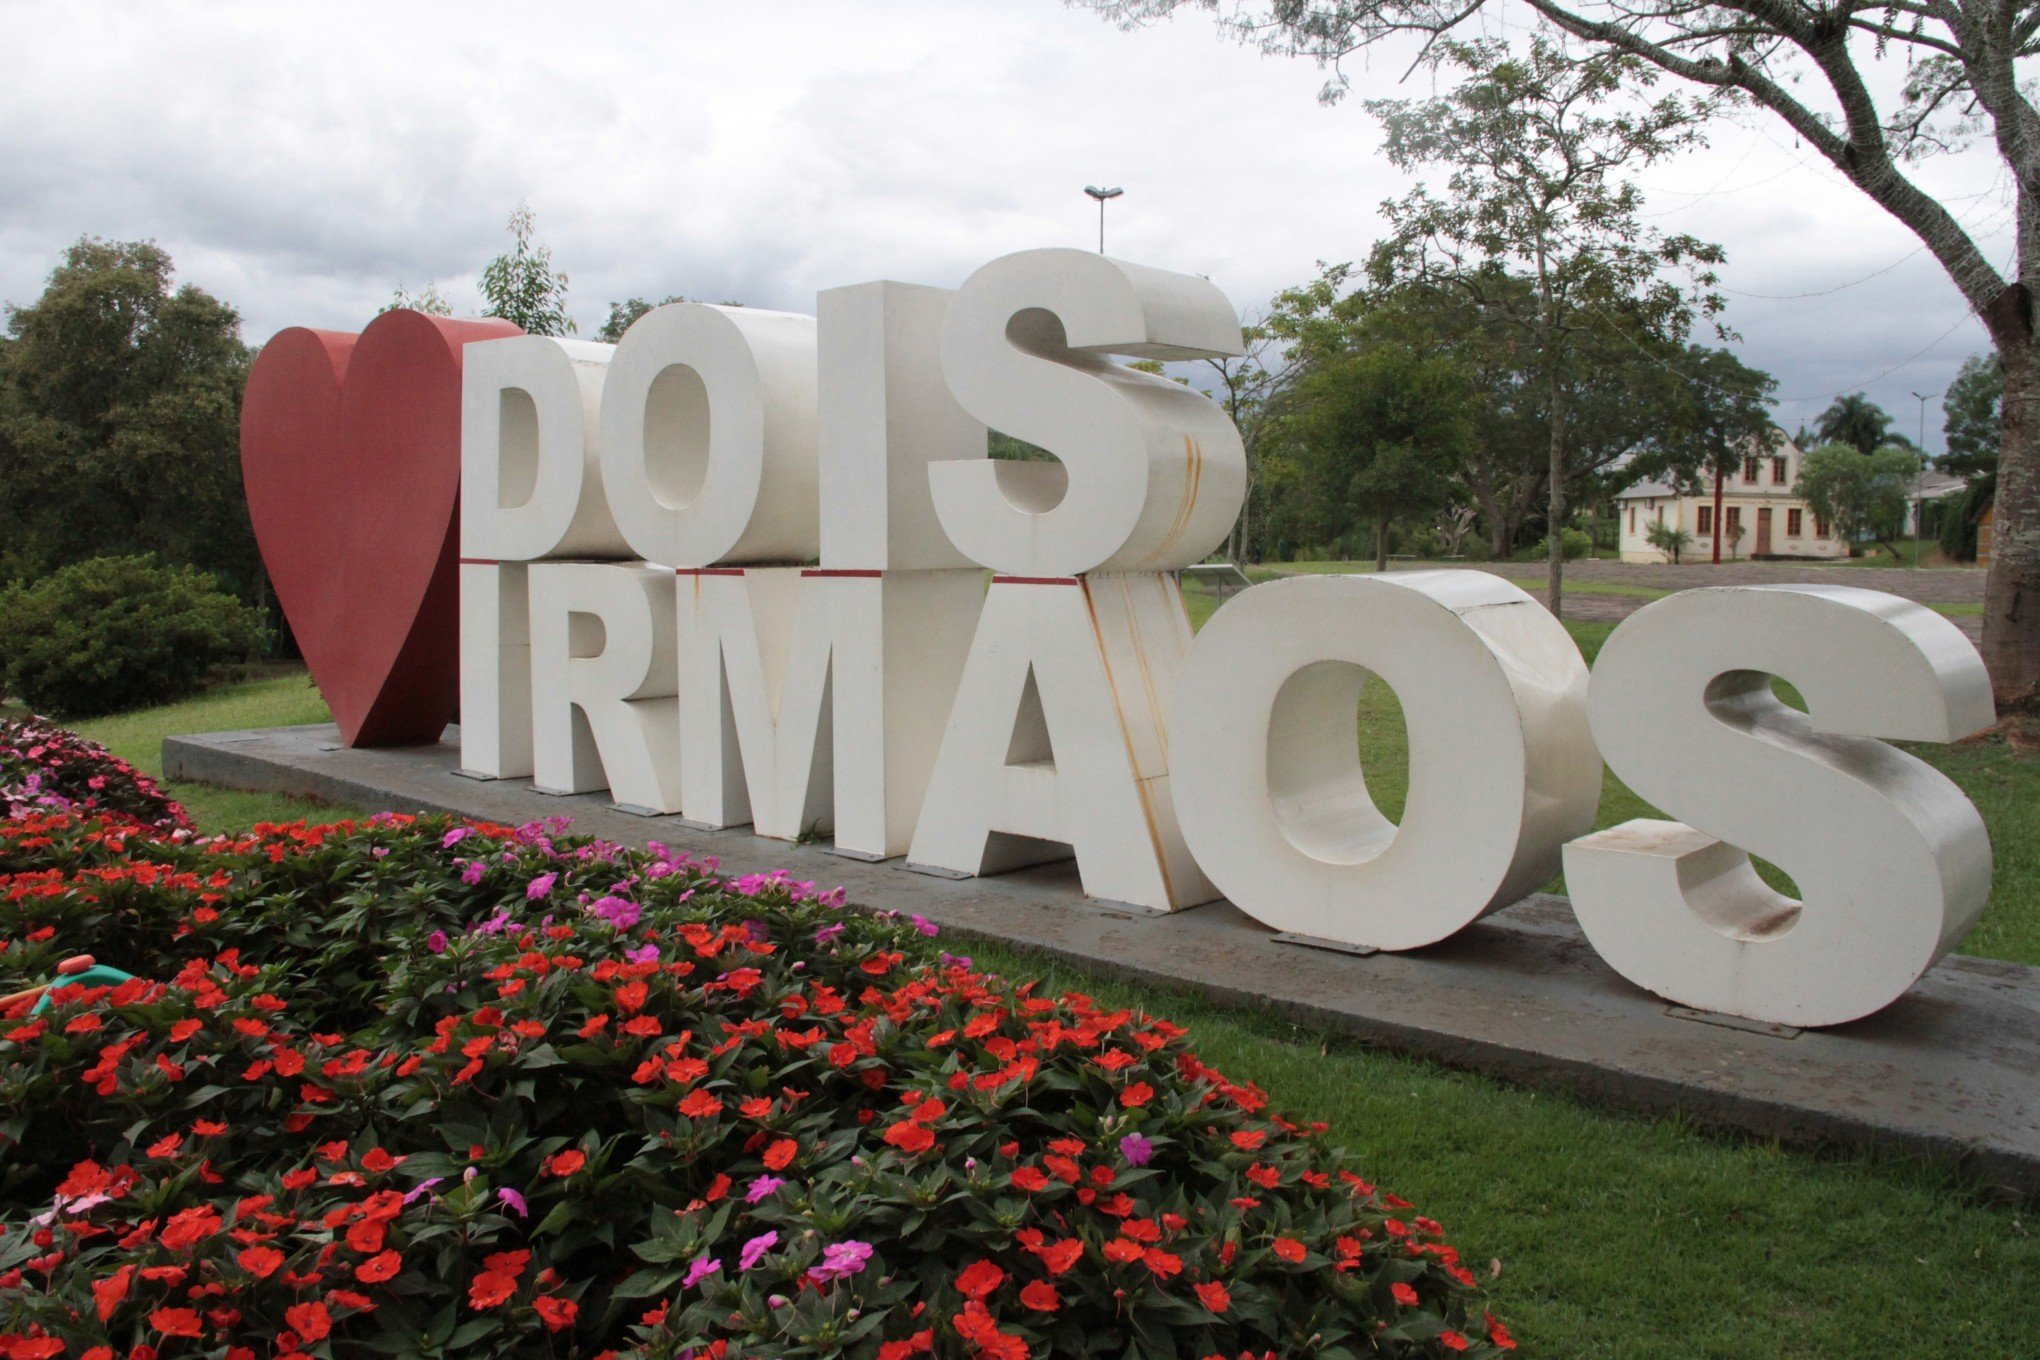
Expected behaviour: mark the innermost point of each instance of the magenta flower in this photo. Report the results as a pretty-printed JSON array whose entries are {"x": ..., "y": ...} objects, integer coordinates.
[
  {"x": 436, "y": 942},
  {"x": 471, "y": 872},
  {"x": 829, "y": 932},
  {"x": 618, "y": 911},
  {"x": 703, "y": 1267},
  {"x": 840, "y": 1260},
  {"x": 514, "y": 1201},
  {"x": 1137, "y": 1150},
  {"x": 755, "y": 1249},
  {"x": 540, "y": 886},
  {"x": 455, "y": 837},
  {"x": 761, "y": 1187},
  {"x": 926, "y": 926}
]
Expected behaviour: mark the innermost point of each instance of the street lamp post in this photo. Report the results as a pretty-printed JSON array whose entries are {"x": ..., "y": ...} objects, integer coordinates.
[
  {"x": 1920, "y": 482},
  {"x": 1101, "y": 195}
]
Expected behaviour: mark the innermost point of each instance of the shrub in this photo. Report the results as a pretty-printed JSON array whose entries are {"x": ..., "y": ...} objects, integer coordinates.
[
  {"x": 44, "y": 766},
  {"x": 119, "y": 632},
  {"x": 1575, "y": 543},
  {"x": 413, "y": 1087}
]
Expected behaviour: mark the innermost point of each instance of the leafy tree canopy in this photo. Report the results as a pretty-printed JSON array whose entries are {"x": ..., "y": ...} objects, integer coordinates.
[
  {"x": 1971, "y": 416},
  {"x": 1864, "y": 495},
  {"x": 521, "y": 285},
  {"x": 1857, "y": 421},
  {"x": 119, "y": 420}
]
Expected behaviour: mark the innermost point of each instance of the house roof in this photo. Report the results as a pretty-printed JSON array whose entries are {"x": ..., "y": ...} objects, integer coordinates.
[{"x": 1649, "y": 486}]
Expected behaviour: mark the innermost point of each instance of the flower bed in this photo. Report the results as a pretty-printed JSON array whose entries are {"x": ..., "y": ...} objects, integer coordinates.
[
  {"x": 45, "y": 766},
  {"x": 419, "y": 1088}
]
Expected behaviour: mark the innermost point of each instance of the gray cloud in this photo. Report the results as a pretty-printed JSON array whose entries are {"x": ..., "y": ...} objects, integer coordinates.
[{"x": 302, "y": 163}]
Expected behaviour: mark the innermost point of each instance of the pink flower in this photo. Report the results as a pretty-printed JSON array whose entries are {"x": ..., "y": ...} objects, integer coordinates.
[
  {"x": 514, "y": 1202},
  {"x": 755, "y": 1249},
  {"x": 540, "y": 886},
  {"x": 471, "y": 872},
  {"x": 703, "y": 1267},
  {"x": 1137, "y": 1150},
  {"x": 840, "y": 1260},
  {"x": 761, "y": 1187},
  {"x": 455, "y": 837},
  {"x": 436, "y": 942}
]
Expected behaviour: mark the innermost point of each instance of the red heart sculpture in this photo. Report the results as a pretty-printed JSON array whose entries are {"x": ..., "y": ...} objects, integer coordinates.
[{"x": 350, "y": 451}]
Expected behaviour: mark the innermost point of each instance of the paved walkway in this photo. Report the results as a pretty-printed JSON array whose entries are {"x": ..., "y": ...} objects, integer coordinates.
[{"x": 1950, "y": 1072}]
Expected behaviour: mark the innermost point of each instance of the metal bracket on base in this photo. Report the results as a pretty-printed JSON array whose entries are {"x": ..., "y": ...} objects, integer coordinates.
[
  {"x": 554, "y": 793},
  {"x": 1736, "y": 1022},
  {"x": 692, "y": 825},
  {"x": 636, "y": 810},
  {"x": 1132, "y": 910},
  {"x": 475, "y": 775},
  {"x": 865, "y": 856},
  {"x": 932, "y": 871},
  {"x": 1358, "y": 951},
  {"x": 331, "y": 746}
]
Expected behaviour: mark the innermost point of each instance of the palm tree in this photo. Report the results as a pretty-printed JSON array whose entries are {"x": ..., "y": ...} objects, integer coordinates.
[{"x": 1857, "y": 421}]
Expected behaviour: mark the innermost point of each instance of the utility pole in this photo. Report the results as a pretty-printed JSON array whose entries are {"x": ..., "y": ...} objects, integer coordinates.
[
  {"x": 1920, "y": 483},
  {"x": 1101, "y": 195}
]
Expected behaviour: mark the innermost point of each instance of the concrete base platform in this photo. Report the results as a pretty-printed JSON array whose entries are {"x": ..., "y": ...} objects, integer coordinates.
[{"x": 1950, "y": 1073}]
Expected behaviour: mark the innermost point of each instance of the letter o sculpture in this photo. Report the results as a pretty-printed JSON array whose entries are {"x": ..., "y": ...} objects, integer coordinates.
[{"x": 1265, "y": 756}]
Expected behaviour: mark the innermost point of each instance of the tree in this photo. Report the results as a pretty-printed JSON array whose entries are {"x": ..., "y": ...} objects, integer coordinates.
[
  {"x": 521, "y": 286},
  {"x": 431, "y": 301},
  {"x": 1857, "y": 421},
  {"x": 1810, "y": 65},
  {"x": 1249, "y": 386},
  {"x": 1862, "y": 495},
  {"x": 1537, "y": 185},
  {"x": 1378, "y": 433},
  {"x": 1671, "y": 540},
  {"x": 1726, "y": 414},
  {"x": 119, "y": 426},
  {"x": 623, "y": 315},
  {"x": 1971, "y": 418}
]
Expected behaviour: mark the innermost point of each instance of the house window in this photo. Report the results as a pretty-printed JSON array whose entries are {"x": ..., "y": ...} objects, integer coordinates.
[
  {"x": 1795, "y": 522},
  {"x": 1749, "y": 470},
  {"x": 1706, "y": 520},
  {"x": 1632, "y": 519},
  {"x": 1732, "y": 527},
  {"x": 1819, "y": 527},
  {"x": 1777, "y": 472},
  {"x": 1660, "y": 514}
]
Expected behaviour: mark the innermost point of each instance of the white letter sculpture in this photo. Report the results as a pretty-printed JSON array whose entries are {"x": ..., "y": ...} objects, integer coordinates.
[
  {"x": 531, "y": 488},
  {"x": 603, "y": 682},
  {"x": 1891, "y": 859},
  {"x": 1268, "y": 783},
  {"x": 1059, "y": 736},
  {"x": 708, "y": 436}
]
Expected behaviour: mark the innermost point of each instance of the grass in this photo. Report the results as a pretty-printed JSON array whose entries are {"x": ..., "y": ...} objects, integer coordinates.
[
  {"x": 283, "y": 697},
  {"x": 1636, "y": 1237}
]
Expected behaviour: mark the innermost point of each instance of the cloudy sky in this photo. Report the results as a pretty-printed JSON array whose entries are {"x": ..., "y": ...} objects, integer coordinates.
[{"x": 303, "y": 162}]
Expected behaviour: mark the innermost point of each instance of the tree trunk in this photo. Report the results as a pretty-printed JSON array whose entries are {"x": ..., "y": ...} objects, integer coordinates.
[
  {"x": 1380, "y": 544},
  {"x": 1554, "y": 590},
  {"x": 1717, "y": 514},
  {"x": 2011, "y": 608}
]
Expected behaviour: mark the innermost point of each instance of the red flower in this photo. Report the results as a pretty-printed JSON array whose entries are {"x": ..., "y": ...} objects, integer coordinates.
[
  {"x": 1249, "y": 1139},
  {"x": 261, "y": 1262},
  {"x": 489, "y": 1289},
  {"x": 909, "y": 1137},
  {"x": 1062, "y": 1255},
  {"x": 700, "y": 1105},
  {"x": 1030, "y": 1179},
  {"x": 1452, "y": 1341},
  {"x": 176, "y": 1322},
  {"x": 565, "y": 1163},
  {"x": 1499, "y": 1334},
  {"x": 378, "y": 1268},
  {"x": 1213, "y": 1296},
  {"x": 557, "y": 1313},
  {"x": 1403, "y": 1294},
  {"x": 310, "y": 1321},
  {"x": 979, "y": 1279},
  {"x": 920, "y": 1343},
  {"x": 377, "y": 1161},
  {"x": 1289, "y": 1249},
  {"x": 780, "y": 1154},
  {"x": 1041, "y": 1297},
  {"x": 109, "y": 1292},
  {"x": 1136, "y": 1095}
]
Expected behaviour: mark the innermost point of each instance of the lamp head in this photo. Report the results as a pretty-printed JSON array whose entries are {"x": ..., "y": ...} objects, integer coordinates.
[{"x": 1102, "y": 194}]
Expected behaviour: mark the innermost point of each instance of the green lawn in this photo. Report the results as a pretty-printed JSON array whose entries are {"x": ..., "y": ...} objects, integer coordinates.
[
  {"x": 1619, "y": 1236},
  {"x": 277, "y": 700}
]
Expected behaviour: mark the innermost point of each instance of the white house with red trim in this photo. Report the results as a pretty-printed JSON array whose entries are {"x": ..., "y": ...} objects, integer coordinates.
[{"x": 1760, "y": 517}]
